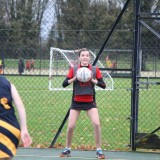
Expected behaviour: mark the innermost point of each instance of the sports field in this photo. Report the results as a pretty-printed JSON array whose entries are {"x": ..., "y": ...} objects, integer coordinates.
[
  {"x": 46, "y": 110},
  {"x": 124, "y": 37}
]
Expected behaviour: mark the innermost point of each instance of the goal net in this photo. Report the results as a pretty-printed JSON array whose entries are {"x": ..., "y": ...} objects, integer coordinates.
[{"x": 62, "y": 60}]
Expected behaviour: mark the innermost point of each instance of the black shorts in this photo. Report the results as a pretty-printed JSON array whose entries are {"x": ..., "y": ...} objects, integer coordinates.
[{"x": 83, "y": 105}]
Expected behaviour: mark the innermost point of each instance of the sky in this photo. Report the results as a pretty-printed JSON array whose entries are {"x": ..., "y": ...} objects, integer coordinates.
[{"x": 48, "y": 20}]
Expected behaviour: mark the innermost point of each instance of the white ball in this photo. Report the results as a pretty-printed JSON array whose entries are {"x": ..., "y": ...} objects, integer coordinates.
[{"x": 84, "y": 74}]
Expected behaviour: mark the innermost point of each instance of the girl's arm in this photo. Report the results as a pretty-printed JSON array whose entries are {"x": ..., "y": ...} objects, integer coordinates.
[
  {"x": 68, "y": 81},
  {"x": 99, "y": 82},
  {"x": 25, "y": 137}
]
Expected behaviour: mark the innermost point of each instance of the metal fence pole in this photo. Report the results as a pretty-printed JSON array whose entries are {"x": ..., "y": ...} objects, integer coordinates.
[
  {"x": 135, "y": 71},
  {"x": 110, "y": 33}
]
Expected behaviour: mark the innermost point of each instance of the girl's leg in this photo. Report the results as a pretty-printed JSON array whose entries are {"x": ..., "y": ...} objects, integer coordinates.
[
  {"x": 73, "y": 116},
  {"x": 94, "y": 116}
]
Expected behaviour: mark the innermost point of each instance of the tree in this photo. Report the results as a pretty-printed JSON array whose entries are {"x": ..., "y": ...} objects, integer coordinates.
[
  {"x": 83, "y": 22},
  {"x": 24, "y": 19}
]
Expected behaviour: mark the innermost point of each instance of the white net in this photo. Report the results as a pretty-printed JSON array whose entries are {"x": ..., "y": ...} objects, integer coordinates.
[{"x": 60, "y": 62}]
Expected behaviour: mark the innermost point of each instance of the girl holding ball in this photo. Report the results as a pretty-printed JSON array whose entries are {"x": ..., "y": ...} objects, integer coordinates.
[{"x": 83, "y": 98}]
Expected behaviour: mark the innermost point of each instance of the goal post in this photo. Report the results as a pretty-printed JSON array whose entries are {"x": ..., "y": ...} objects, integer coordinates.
[{"x": 60, "y": 62}]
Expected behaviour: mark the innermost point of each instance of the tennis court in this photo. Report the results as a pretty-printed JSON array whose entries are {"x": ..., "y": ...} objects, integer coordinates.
[{"x": 50, "y": 154}]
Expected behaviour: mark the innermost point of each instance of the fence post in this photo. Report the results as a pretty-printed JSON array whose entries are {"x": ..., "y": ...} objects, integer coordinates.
[{"x": 135, "y": 72}]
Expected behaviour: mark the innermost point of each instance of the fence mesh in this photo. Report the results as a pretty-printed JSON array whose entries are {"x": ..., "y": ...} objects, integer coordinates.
[{"x": 28, "y": 29}]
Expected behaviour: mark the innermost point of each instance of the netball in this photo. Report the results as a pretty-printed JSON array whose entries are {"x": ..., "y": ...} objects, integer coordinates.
[{"x": 84, "y": 74}]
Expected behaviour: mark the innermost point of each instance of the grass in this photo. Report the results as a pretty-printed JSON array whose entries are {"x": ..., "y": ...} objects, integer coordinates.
[{"x": 47, "y": 109}]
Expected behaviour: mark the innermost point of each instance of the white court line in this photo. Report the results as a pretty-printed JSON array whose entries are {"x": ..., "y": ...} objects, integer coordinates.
[
  {"x": 62, "y": 157},
  {"x": 53, "y": 157}
]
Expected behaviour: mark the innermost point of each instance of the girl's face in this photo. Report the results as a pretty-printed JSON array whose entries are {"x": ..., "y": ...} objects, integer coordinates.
[{"x": 84, "y": 58}]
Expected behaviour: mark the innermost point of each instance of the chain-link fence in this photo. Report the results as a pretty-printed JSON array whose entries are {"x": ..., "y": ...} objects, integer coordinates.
[
  {"x": 28, "y": 29},
  {"x": 148, "y": 76}
]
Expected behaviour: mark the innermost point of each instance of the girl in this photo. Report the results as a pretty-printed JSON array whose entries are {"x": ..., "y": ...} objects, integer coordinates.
[
  {"x": 10, "y": 130},
  {"x": 84, "y": 99}
]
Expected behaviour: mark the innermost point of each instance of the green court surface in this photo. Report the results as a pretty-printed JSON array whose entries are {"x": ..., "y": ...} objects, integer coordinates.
[{"x": 50, "y": 154}]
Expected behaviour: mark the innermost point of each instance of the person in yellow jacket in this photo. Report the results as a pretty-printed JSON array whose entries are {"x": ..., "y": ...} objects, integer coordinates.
[{"x": 110, "y": 64}]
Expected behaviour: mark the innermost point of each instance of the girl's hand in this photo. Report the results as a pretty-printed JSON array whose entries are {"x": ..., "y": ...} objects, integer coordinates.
[
  {"x": 26, "y": 139},
  {"x": 95, "y": 81},
  {"x": 72, "y": 80}
]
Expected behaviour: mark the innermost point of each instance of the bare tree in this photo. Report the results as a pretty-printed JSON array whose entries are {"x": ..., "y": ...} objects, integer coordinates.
[{"x": 24, "y": 19}]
